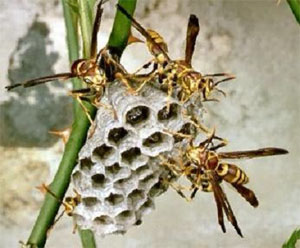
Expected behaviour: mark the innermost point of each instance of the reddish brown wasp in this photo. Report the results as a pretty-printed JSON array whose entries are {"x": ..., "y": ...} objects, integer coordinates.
[
  {"x": 86, "y": 69},
  {"x": 177, "y": 72},
  {"x": 205, "y": 169}
]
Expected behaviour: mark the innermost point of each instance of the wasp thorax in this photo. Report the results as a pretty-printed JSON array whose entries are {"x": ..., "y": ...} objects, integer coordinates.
[
  {"x": 196, "y": 155},
  {"x": 84, "y": 67},
  {"x": 212, "y": 160}
]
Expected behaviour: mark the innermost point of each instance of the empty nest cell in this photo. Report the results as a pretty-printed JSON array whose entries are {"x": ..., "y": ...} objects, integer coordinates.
[
  {"x": 136, "y": 196},
  {"x": 114, "y": 199},
  {"x": 103, "y": 220},
  {"x": 99, "y": 180},
  {"x": 113, "y": 169},
  {"x": 142, "y": 170},
  {"x": 116, "y": 135},
  {"x": 86, "y": 164},
  {"x": 122, "y": 183},
  {"x": 157, "y": 189},
  {"x": 164, "y": 114},
  {"x": 124, "y": 216},
  {"x": 154, "y": 139},
  {"x": 146, "y": 207},
  {"x": 76, "y": 176},
  {"x": 90, "y": 201},
  {"x": 130, "y": 155},
  {"x": 137, "y": 115},
  {"x": 102, "y": 151},
  {"x": 147, "y": 181}
]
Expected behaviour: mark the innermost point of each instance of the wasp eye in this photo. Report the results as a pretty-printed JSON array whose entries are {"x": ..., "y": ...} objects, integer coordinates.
[{"x": 87, "y": 80}]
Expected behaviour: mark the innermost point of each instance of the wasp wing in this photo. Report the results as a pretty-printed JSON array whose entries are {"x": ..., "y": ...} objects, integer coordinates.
[
  {"x": 143, "y": 31},
  {"x": 248, "y": 194},
  {"x": 95, "y": 31},
  {"x": 269, "y": 151},
  {"x": 221, "y": 200},
  {"x": 191, "y": 36}
]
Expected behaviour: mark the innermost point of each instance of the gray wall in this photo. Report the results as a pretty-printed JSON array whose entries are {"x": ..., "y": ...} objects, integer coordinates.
[{"x": 256, "y": 40}]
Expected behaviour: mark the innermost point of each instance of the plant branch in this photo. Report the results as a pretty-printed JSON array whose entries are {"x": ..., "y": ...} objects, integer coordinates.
[
  {"x": 295, "y": 7},
  {"x": 87, "y": 239},
  {"x": 291, "y": 242},
  {"x": 117, "y": 42}
]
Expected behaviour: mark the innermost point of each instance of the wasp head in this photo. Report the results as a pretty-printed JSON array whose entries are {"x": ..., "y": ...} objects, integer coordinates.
[
  {"x": 89, "y": 72},
  {"x": 197, "y": 155}
]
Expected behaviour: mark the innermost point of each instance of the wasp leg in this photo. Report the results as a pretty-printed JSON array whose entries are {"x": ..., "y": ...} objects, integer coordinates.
[
  {"x": 223, "y": 142},
  {"x": 124, "y": 79},
  {"x": 151, "y": 77},
  {"x": 170, "y": 91},
  {"x": 145, "y": 66},
  {"x": 178, "y": 188},
  {"x": 195, "y": 122},
  {"x": 80, "y": 95},
  {"x": 174, "y": 133},
  {"x": 63, "y": 134}
]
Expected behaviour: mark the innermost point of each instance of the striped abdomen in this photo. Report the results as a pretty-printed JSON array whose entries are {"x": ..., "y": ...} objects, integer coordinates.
[{"x": 232, "y": 174}]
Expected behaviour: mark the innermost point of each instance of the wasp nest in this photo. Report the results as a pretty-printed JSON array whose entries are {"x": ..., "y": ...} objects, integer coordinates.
[{"x": 119, "y": 172}]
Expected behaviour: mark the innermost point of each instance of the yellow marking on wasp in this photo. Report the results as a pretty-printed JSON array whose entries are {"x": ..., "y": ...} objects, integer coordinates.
[{"x": 237, "y": 176}]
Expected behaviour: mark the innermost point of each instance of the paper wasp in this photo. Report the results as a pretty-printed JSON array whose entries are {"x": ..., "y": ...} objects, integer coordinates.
[
  {"x": 88, "y": 70},
  {"x": 177, "y": 72},
  {"x": 205, "y": 169}
]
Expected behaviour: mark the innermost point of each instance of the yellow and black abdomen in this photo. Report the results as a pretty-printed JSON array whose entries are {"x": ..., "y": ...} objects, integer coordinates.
[{"x": 232, "y": 174}]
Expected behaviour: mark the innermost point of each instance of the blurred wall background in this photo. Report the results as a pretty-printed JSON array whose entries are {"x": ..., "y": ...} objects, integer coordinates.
[{"x": 257, "y": 40}]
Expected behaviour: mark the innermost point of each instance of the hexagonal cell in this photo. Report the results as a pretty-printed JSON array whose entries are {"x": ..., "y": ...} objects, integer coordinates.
[
  {"x": 116, "y": 135},
  {"x": 86, "y": 164},
  {"x": 187, "y": 128},
  {"x": 136, "y": 197},
  {"x": 137, "y": 115},
  {"x": 113, "y": 169},
  {"x": 130, "y": 155},
  {"x": 77, "y": 176},
  {"x": 146, "y": 207},
  {"x": 103, "y": 151},
  {"x": 125, "y": 184},
  {"x": 114, "y": 199},
  {"x": 90, "y": 201},
  {"x": 125, "y": 216},
  {"x": 103, "y": 220},
  {"x": 142, "y": 170},
  {"x": 147, "y": 182},
  {"x": 157, "y": 143},
  {"x": 99, "y": 180},
  {"x": 157, "y": 189},
  {"x": 154, "y": 139},
  {"x": 164, "y": 114}
]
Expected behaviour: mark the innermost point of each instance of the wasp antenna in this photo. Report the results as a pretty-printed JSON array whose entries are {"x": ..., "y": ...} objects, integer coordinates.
[
  {"x": 224, "y": 80},
  {"x": 281, "y": 151},
  {"x": 8, "y": 88},
  {"x": 42, "y": 80}
]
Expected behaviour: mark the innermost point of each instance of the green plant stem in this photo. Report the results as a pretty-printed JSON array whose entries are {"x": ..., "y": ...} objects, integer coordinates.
[
  {"x": 291, "y": 243},
  {"x": 70, "y": 10},
  {"x": 77, "y": 138},
  {"x": 86, "y": 24},
  {"x": 87, "y": 239},
  {"x": 60, "y": 183},
  {"x": 121, "y": 29},
  {"x": 295, "y": 7}
]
